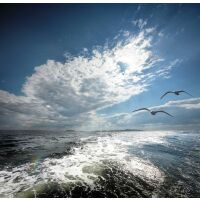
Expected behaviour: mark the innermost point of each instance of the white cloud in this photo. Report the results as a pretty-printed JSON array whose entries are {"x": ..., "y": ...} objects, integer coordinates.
[
  {"x": 186, "y": 115},
  {"x": 68, "y": 94},
  {"x": 150, "y": 30},
  {"x": 161, "y": 34},
  {"x": 141, "y": 23},
  {"x": 126, "y": 33},
  {"x": 165, "y": 71},
  {"x": 139, "y": 8},
  {"x": 191, "y": 106},
  {"x": 192, "y": 103}
]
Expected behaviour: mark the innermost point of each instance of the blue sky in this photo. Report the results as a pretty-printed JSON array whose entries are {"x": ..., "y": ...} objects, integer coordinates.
[{"x": 87, "y": 66}]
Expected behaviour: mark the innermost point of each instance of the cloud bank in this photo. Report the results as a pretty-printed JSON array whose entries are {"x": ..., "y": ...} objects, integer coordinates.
[
  {"x": 67, "y": 95},
  {"x": 186, "y": 116}
]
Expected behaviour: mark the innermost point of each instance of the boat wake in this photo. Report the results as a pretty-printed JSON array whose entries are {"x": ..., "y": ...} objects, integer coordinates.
[{"x": 99, "y": 166}]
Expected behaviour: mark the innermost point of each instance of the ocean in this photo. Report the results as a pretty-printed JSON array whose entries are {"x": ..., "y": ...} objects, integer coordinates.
[{"x": 99, "y": 164}]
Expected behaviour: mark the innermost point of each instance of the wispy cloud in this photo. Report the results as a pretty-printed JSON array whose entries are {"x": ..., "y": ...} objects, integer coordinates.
[
  {"x": 141, "y": 23},
  {"x": 192, "y": 103},
  {"x": 186, "y": 114}
]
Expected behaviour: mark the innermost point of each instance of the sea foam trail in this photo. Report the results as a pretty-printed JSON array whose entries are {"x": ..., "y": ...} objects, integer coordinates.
[{"x": 87, "y": 163}]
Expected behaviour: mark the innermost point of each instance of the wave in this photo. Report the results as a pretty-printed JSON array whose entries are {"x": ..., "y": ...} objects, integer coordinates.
[{"x": 97, "y": 166}]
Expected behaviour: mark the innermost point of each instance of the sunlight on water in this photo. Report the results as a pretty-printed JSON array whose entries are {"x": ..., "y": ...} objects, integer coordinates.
[{"x": 93, "y": 161}]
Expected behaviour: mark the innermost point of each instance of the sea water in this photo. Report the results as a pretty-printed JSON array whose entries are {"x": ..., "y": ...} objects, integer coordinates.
[{"x": 99, "y": 164}]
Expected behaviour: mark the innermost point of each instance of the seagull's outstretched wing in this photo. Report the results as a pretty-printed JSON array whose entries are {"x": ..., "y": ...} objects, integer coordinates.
[
  {"x": 166, "y": 94},
  {"x": 163, "y": 112},
  {"x": 141, "y": 109},
  {"x": 182, "y": 91}
]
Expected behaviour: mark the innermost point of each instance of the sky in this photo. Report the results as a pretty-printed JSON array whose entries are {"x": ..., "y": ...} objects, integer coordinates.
[{"x": 87, "y": 66}]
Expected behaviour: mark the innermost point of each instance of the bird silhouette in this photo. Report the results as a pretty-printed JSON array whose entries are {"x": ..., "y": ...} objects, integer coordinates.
[
  {"x": 152, "y": 112},
  {"x": 175, "y": 92}
]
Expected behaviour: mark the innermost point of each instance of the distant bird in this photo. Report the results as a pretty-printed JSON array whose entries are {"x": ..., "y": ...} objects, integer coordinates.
[
  {"x": 152, "y": 112},
  {"x": 175, "y": 92}
]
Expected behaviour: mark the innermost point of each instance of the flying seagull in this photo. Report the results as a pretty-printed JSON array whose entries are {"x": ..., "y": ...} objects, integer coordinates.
[
  {"x": 175, "y": 92},
  {"x": 152, "y": 112}
]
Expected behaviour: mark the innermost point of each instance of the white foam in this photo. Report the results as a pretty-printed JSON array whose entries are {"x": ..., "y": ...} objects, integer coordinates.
[{"x": 86, "y": 163}]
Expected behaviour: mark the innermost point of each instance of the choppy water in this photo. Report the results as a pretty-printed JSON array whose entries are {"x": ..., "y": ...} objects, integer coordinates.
[{"x": 94, "y": 164}]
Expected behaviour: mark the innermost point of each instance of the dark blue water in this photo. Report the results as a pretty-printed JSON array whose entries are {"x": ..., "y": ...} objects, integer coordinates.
[{"x": 99, "y": 164}]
